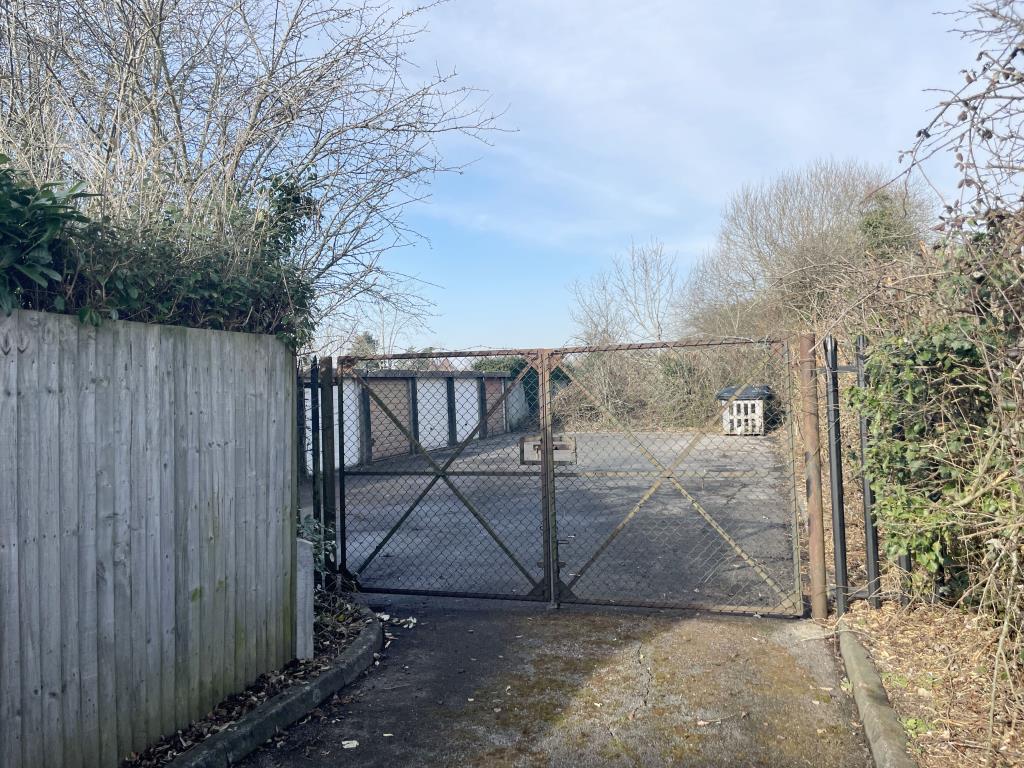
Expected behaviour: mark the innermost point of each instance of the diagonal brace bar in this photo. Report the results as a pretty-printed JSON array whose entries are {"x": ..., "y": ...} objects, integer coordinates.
[
  {"x": 668, "y": 473},
  {"x": 441, "y": 474}
]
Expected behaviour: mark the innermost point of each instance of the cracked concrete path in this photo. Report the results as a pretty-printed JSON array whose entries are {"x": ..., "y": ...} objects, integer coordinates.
[{"x": 491, "y": 683}]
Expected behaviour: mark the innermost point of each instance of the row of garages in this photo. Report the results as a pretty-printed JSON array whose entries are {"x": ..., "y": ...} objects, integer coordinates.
[{"x": 437, "y": 408}]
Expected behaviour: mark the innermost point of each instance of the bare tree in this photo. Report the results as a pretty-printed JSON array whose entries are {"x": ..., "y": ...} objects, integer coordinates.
[
  {"x": 981, "y": 307},
  {"x": 196, "y": 113},
  {"x": 818, "y": 247},
  {"x": 981, "y": 122},
  {"x": 394, "y": 327},
  {"x": 633, "y": 301}
]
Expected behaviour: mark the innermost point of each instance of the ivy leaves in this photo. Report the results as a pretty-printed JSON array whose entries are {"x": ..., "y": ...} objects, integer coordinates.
[{"x": 940, "y": 454}]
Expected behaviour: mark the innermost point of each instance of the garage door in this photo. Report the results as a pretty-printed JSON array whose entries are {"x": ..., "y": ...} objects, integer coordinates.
[
  {"x": 467, "y": 407},
  {"x": 386, "y": 438},
  {"x": 496, "y": 422},
  {"x": 432, "y": 412}
]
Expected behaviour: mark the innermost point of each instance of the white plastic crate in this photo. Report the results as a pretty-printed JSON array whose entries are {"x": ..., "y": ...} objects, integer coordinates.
[
  {"x": 744, "y": 413},
  {"x": 744, "y": 417}
]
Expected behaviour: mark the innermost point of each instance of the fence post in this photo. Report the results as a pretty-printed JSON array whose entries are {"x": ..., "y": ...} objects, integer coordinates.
[
  {"x": 870, "y": 529},
  {"x": 812, "y": 472},
  {"x": 547, "y": 481},
  {"x": 835, "y": 471},
  {"x": 314, "y": 433},
  {"x": 330, "y": 517},
  {"x": 481, "y": 397},
  {"x": 305, "y": 570},
  {"x": 414, "y": 416},
  {"x": 341, "y": 540},
  {"x": 906, "y": 564},
  {"x": 300, "y": 419},
  {"x": 453, "y": 435},
  {"x": 365, "y": 432}
]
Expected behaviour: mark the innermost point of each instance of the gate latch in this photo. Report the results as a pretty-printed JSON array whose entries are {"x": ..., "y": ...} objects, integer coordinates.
[{"x": 563, "y": 449}]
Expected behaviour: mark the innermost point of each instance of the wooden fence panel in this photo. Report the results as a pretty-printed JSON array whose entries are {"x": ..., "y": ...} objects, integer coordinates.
[
  {"x": 10, "y": 606},
  {"x": 146, "y": 530}
]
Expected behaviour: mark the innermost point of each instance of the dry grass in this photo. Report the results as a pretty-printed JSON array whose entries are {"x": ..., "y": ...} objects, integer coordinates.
[{"x": 936, "y": 665}]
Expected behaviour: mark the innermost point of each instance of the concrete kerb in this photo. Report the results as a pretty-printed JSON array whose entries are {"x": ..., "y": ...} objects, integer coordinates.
[
  {"x": 883, "y": 729},
  {"x": 235, "y": 742}
]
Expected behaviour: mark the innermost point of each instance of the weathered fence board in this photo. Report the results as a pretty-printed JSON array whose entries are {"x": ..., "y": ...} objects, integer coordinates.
[
  {"x": 89, "y": 743},
  {"x": 67, "y": 413},
  {"x": 28, "y": 529},
  {"x": 10, "y": 608},
  {"x": 146, "y": 530}
]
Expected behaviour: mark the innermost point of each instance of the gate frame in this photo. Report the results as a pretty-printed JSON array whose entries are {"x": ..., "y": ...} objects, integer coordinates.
[{"x": 543, "y": 360}]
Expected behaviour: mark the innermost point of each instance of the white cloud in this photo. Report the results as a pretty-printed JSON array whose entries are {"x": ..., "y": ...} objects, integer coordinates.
[{"x": 646, "y": 116}]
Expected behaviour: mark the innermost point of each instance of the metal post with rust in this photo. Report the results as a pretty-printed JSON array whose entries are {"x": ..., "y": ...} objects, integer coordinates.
[
  {"x": 812, "y": 472},
  {"x": 547, "y": 478},
  {"x": 341, "y": 540},
  {"x": 835, "y": 473}
]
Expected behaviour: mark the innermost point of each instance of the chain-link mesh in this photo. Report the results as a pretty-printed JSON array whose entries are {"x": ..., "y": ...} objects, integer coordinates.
[
  {"x": 440, "y": 500},
  {"x": 682, "y": 490},
  {"x": 671, "y": 477}
]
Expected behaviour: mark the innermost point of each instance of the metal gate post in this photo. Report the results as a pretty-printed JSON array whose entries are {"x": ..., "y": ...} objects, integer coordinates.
[
  {"x": 300, "y": 419},
  {"x": 812, "y": 472},
  {"x": 906, "y": 565},
  {"x": 314, "y": 446},
  {"x": 330, "y": 517},
  {"x": 314, "y": 434},
  {"x": 341, "y": 539},
  {"x": 870, "y": 529},
  {"x": 547, "y": 479},
  {"x": 835, "y": 473}
]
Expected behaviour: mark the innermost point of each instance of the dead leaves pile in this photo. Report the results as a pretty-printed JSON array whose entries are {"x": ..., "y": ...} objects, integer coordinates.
[
  {"x": 387, "y": 621},
  {"x": 937, "y": 666},
  {"x": 336, "y": 624}
]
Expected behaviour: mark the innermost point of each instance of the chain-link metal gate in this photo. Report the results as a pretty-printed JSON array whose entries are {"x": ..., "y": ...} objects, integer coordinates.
[{"x": 648, "y": 474}]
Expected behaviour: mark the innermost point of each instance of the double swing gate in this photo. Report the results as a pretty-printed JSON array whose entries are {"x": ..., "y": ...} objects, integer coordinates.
[{"x": 648, "y": 474}]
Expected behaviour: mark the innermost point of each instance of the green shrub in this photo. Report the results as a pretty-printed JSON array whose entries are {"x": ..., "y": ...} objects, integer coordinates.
[
  {"x": 32, "y": 222},
  {"x": 56, "y": 260},
  {"x": 945, "y": 452}
]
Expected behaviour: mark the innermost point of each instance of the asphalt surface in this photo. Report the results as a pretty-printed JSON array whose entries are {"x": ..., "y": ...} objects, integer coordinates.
[
  {"x": 717, "y": 533},
  {"x": 491, "y": 683}
]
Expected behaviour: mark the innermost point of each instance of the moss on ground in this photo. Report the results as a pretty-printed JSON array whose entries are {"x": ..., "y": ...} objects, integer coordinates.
[{"x": 620, "y": 689}]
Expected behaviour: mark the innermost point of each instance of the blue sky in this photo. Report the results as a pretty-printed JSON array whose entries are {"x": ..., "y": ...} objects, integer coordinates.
[{"x": 638, "y": 120}]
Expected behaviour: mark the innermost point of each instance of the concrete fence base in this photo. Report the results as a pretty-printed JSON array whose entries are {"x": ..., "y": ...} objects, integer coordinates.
[{"x": 304, "y": 600}]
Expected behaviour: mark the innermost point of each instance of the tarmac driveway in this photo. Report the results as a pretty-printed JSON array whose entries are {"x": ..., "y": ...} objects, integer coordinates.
[{"x": 490, "y": 683}]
